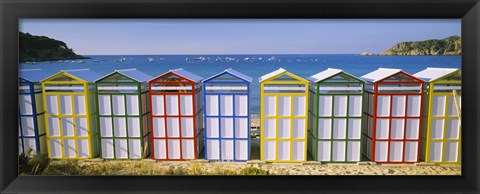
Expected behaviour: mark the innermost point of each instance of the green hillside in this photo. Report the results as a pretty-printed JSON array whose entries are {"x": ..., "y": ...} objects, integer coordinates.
[{"x": 448, "y": 46}]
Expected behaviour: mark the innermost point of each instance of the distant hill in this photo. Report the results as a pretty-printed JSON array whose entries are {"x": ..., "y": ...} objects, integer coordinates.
[
  {"x": 42, "y": 48},
  {"x": 448, "y": 46}
]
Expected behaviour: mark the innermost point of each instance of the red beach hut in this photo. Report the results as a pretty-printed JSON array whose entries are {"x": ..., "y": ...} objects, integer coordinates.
[
  {"x": 176, "y": 115},
  {"x": 393, "y": 109}
]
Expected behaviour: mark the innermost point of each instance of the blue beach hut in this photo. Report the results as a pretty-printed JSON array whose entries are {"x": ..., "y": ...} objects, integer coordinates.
[
  {"x": 227, "y": 116},
  {"x": 31, "y": 127}
]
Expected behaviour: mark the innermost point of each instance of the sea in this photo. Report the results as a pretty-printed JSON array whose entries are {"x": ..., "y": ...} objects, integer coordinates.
[{"x": 252, "y": 65}]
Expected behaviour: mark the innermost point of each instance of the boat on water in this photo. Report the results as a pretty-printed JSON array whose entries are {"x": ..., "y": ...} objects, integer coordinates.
[{"x": 150, "y": 59}]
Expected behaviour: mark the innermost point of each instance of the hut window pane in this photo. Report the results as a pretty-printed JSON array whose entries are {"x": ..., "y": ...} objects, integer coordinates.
[
  {"x": 226, "y": 105},
  {"x": 212, "y": 127},
  {"x": 325, "y": 105},
  {"x": 187, "y": 127},
  {"x": 398, "y": 127},
  {"x": 438, "y": 105},
  {"x": 270, "y": 128},
  {"x": 396, "y": 151},
  {"x": 324, "y": 128},
  {"x": 355, "y": 106},
  {"x": 82, "y": 128},
  {"x": 104, "y": 105},
  {"x": 30, "y": 144},
  {"x": 65, "y": 105},
  {"x": 212, "y": 104},
  {"x": 283, "y": 150},
  {"x": 69, "y": 148},
  {"x": 160, "y": 149},
  {"x": 26, "y": 106},
  {"x": 298, "y": 128},
  {"x": 399, "y": 105},
  {"x": 411, "y": 151},
  {"x": 157, "y": 105},
  {"x": 241, "y": 128},
  {"x": 340, "y": 105},
  {"x": 53, "y": 126},
  {"x": 413, "y": 106},
  {"x": 174, "y": 149},
  {"x": 354, "y": 128},
  {"x": 133, "y": 127},
  {"x": 284, "y": 105},
  {"x": 172, "y": 104},
  {"x": 55, "y": 148},
  {"x": 241, "y": 149},
  {"x": 284, "y": 128},
  {"x": 68, "y": 127},
  {"x": 269, "y": 105},
  {"x": 298, "y": 150},
  {"x": 300, "y": 104},
  {"x": 135, "y": 148},
  {"x": 186, "y": 104},
  {"x": 437, "y": 129},
  {"x": 83, "y": 151},
  {"x": 453, "y": 128},
  {"x": 107, "y": 148},
  {"x": 436, "y": 151},
  {"x": 324, "y": 150},
  {"x": 188, "y": 149},
  {"x": 106, "y": 127},
  {"x": 118, "y": 105},
  {"x": 227, "y": 150},
  {"x": 226, "y": 125},
  {"x": 339, "y": 128},
  {"x": 28, "y": 126},
  {"x": 173, "y": 128},
  {"x": 338, "y": 151},
  {"x": 52, "y": 105},
  {"x": 451, "y": 151},
  {"x": 353, "y": 151},
  {"x": 413, "y": 126},
  {"x": 213, "y": 149},
  {"x": 80, "y": 106},
  {"x": 241, "y": 105},
  {"x": 158, "y": 127},
  {"x": 132, "y": 105},
  {"x": 382, "y": 128},
  {"x": 120, "y": 127},
  {"x": 121, "y": 148},
  {"x": 452, "y": 107},
  {"x": 269, "y": 150},
  {"x": 383, "y": 106},
  {"x": 381, "y": 151}
]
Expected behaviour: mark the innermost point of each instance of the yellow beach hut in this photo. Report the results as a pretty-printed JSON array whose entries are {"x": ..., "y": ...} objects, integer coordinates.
[
  {"x": 441, "y": 139},
  {"x": 69, "y": 101},
  {"x": 283, "y": 117}
]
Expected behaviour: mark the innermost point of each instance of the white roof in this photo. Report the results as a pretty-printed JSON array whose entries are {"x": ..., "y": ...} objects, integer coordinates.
[
  {"x": 271, "y": 74},
  {"x": 326, "y": 74},
  {"x": 379, "y": 74},
  {"x": 132, "y": 73},
  {"x": 432, "y": 74},
  {"x": 84, "y": 74},
  {"x": 232, "y": 72},
  {"x": 33, "y": 75},
  {"x": 186, "y": 74}
]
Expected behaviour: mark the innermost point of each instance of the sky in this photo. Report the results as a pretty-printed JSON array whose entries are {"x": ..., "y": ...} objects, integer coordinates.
[{"x": 237, "y": 36}]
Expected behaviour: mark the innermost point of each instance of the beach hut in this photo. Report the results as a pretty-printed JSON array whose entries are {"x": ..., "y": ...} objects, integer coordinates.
[
  {"x": 31, "y": 127},
  {"x": 123, "y": 112},
  {"x": 283, "y": 117},
  {"x": 69, "y": 101},
  {"x": 393, "y": 102},
  {"x": 335, "y": 116},
  {"x": 176, "y": 115},
  {"x": 227, "y": 117},
  {"x": 441, "y": 131}
]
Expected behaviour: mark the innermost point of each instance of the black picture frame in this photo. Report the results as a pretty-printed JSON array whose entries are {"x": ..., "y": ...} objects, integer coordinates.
[{"x": 13, "y": 10}]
